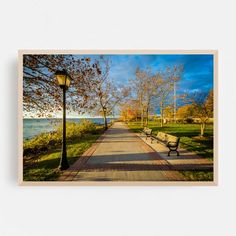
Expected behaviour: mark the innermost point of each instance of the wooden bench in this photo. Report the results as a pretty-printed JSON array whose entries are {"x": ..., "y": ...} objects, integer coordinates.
[
  {"x": 146, "y": 131},
  {"x": 170, "y": 141}
]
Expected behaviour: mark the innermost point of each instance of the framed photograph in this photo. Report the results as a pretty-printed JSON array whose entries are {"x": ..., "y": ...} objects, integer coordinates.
[{"x": 118, "y": 117}]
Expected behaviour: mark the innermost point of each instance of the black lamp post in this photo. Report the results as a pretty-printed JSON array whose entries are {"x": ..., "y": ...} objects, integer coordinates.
[{"x": 63, "y": 79}]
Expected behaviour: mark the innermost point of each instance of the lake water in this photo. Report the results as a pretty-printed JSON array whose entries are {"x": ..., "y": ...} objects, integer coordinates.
[{"x": 33, "y": 127}]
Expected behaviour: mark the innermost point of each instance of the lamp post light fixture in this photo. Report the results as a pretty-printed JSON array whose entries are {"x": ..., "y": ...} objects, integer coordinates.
[{"x": 63, "y": 80}]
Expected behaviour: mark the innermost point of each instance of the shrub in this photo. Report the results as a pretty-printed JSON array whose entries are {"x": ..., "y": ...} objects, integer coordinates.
[
  {"x": 189, "y": 120},
  {"x": 87, "y": 126},
  {"x": 45, "y": 141}
]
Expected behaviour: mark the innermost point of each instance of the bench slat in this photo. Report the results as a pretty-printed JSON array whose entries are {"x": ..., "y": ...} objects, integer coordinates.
[{"x": 170, "y": 141}]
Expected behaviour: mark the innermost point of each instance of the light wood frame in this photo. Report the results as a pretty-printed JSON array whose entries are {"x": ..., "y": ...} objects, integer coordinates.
[{"x": 114, "y": 183}]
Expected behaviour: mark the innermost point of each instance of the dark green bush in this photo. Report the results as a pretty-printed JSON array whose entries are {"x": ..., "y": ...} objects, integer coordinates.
[
  {"x": 189, "y": 120},
  {"x": 45, "y": 141}
]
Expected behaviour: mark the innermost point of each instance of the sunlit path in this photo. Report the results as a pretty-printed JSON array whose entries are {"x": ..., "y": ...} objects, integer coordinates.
[{"x": 120, "y": 155}]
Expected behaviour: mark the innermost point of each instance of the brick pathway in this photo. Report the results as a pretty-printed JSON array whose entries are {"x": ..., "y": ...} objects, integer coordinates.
[{"x": 120, "y": 155}]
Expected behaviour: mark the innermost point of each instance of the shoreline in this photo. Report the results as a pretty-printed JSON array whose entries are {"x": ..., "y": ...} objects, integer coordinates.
[{"x": 35, "y": 126}]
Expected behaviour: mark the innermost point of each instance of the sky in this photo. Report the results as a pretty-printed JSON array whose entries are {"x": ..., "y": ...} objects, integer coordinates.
[{"x": 197, "y": 74}]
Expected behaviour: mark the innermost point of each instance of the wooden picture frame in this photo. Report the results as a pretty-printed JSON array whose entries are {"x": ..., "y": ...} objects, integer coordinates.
[{"x": 22, "y": 182}]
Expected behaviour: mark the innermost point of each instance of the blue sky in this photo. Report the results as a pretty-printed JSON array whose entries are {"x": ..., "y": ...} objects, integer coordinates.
[
  {"x": 198, "y": 69},
  {"x": 197, "y": 74}
]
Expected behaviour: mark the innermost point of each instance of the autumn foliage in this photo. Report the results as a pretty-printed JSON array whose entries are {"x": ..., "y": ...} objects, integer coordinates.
[{"x": 91, "y": 91}]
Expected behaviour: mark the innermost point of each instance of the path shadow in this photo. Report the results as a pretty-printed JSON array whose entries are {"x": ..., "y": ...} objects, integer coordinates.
[
  {"x": 145, "y": 167},
  {"x": 111, "y": 162},
  {"x": 120, "y": 137},
  {"x": 118, "y": 141}
]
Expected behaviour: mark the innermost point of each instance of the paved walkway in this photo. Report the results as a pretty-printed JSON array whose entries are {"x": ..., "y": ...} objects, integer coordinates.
[
  {"x": 120, "y": 155},
  {"x": 187, "y": 160}
]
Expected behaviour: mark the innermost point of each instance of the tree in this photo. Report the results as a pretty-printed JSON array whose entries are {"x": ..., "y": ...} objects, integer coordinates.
[
  {"x": 150, "y": 89},
  {"x": 165, "y": 88},
  {"x": 167, "y": 80},
  {"x": 129, "y": 110},
  {"x": 137, "y": 85},
  {"x": 169, "y": 112},
  {"x": 42, "y": 96},
  {"x": 210, "y": 103},
  {"x": 144, "y": 87},
  {"x": 202, "y": 108},
  {"x": 91, "y": 89},
  {"x": 105, "y": 95},
  {"x": 185, "y": 111}
]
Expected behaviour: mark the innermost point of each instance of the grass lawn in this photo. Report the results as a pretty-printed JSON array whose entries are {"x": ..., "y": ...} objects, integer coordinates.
[
  {"x": 190, "y": 140},
  {"x": 45, "y": 169}
]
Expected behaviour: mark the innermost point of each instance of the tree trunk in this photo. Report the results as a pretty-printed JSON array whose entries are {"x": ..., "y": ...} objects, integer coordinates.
[
  {"x": 105, "y": 120},
  {"x": 203, "y": 126},
  {"x": 162, "y": 120},
  {"x": 147, "y": 117},
  {"x": 161, "y": 108},
  {"x": 142, "y": 118}
]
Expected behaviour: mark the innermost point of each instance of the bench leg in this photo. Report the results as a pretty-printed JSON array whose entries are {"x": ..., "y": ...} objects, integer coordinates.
[{"x": 177, "y": 152}]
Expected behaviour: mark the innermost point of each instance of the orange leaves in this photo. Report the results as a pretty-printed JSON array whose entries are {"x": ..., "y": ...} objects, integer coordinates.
[
  {"x": 185, "y": 111},
  {"x": 130, "y": 110},
  {"x": 41, "y": 91},
  {"x": 38, "y": 92}
]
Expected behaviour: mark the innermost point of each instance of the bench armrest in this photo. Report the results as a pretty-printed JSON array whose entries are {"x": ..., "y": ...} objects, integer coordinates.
[{"x": 171, "y": 143}]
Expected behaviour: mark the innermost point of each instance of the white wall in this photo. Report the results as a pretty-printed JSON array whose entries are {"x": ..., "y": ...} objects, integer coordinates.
[{"x": 104, "y": 24}]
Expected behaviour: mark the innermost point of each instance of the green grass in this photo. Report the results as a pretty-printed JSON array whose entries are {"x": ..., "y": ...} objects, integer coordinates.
[
  {"x": 190, "y": 140},
  {"x": 189, "y": 134},
  {"x": 45, "y": 169},
  {"x": 42, "y": 153},
  {"x": 42, "y": 163},
  {"x": 196, "y": 175}
]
